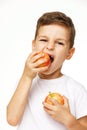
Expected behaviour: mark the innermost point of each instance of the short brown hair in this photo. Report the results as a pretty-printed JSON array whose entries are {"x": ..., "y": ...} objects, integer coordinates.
[{"x": 57, "y": 18}]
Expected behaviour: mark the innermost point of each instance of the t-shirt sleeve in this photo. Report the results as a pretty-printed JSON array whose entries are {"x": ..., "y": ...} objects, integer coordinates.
[{"x": 81, "y": 102}]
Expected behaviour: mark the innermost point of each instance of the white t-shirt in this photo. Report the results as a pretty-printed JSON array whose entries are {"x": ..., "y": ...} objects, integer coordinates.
[{"x": 35, "y": 118}]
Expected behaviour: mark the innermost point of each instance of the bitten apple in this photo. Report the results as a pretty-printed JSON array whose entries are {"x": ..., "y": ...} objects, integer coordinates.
[
  {"x": 45, "y": 56},
  {"x": 56, "y": 96}
]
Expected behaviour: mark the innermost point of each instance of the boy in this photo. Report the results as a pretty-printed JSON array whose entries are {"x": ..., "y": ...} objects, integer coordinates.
[{"x": 54, "y": 35}]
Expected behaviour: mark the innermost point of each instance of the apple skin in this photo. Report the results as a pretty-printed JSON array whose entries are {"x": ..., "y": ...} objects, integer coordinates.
[
  {"x": 46, "y": 56},
  {"x": 55, "y": 96}
]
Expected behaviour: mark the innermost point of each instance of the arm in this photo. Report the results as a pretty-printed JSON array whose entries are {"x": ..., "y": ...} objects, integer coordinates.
[
  {"x": 17, "y": 104},
  {"x": 61, "y": 113},
  {"x": 74, "y": 124}
]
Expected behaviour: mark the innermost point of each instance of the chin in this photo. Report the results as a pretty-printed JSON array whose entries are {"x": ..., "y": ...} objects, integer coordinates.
[
  {"x": 51, "y": 73},
  {"x": 46, "y": 75}
]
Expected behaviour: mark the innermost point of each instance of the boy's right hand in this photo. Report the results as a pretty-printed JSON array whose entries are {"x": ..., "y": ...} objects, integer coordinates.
[{"x": 31, "y": 65}]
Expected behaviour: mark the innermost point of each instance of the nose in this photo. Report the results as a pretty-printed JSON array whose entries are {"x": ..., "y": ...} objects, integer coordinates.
[{"x": 50, "y": 46}]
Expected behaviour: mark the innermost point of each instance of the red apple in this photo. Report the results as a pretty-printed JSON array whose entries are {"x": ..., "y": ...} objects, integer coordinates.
[
  {"x": 46, "y": 56},
  {"x": 56, "y": 96}
]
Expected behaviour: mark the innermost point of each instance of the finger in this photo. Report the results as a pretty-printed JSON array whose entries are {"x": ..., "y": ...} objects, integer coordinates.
[
  {"x": 48, "y": 106},
  {"x": 37, "y": 56},
  {"x": 54, "y": 101},
  {"x": 66, "y": 101},
  {"x": 39, "y": 69},
  {"x": 32, "y": 54},
  {"x": 50, "y": 112}
]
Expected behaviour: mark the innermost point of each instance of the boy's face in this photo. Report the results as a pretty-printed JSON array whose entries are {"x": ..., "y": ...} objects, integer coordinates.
[{"x": 54, "y": 40}]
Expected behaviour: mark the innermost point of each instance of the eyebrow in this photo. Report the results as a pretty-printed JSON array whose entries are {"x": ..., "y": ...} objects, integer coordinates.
[
  {"x": 42, "y": 36},
  {"x": 62, "y": 40}
]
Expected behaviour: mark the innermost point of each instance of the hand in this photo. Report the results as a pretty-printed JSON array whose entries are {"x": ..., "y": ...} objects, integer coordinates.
[
  {"x": 57, "y": 111},
  {"x": 32, "y": 63}
]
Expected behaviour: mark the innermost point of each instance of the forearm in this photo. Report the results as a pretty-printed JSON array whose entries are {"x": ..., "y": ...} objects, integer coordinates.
[
  {"x": 74, "y": 124},
  {"x": 16, "y": 106}
]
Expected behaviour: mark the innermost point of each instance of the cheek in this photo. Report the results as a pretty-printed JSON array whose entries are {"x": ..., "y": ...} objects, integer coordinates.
[
  {"x": 61, "y": 57},
  {"x": 38, "y": 46}
]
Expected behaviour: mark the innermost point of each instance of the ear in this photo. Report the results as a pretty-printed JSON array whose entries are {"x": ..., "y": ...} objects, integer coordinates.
[
  {"x": 70, "y": 53},
  {"x": 33, "y": 45}
]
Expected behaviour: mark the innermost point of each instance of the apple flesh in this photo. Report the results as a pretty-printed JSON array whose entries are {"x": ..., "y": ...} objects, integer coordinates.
[{"x": 55, "y": 96}]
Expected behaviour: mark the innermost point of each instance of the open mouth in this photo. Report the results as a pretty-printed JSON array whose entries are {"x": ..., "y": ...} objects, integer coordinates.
[{"x": 51, "y": 58}]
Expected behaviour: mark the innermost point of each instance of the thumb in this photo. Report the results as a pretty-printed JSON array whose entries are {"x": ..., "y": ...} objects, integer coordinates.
[{"x": 66, "y": 101}]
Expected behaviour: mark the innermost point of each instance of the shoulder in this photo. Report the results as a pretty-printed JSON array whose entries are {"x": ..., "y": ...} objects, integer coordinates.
[
  {"x": 72, "y": 83},
  {"x": 74, "y": 87}
]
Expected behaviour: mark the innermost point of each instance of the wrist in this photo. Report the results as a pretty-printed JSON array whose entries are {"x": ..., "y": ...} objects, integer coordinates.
[
  {"x": 25, "y": 77},
  {"x": 25, "y": 82},
  {"x": 28, "y": 75},
  {"x": 70, "y": 121}
]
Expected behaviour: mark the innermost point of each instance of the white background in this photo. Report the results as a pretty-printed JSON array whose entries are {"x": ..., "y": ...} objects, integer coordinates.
[{"x": 17, "y": 25}]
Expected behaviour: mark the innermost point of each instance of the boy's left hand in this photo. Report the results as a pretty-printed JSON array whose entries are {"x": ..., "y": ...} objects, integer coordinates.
[{"x": 57, "y": 111}]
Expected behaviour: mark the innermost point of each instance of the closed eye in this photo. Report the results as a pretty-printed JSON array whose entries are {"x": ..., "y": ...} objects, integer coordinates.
[
  {"x": 60, "y": 43},
  {"x": 44, "y": 40}
]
